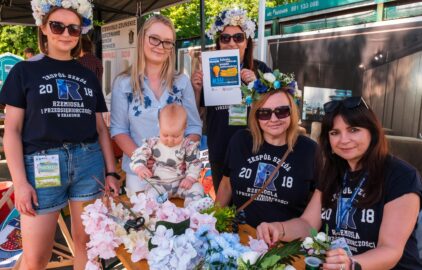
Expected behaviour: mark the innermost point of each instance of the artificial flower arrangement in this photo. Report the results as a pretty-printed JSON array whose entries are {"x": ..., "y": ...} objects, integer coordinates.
[
  {"x": 233, "y": 17},
  {"x": 268, "y": 82},
  {"x": 169, "y": 237},
  {"x": 83, "y": 7},
  {"x": 317, "y": 244}
]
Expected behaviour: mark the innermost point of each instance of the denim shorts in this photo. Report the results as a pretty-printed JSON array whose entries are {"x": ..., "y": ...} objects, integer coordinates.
[{"x": 80, "y": 164}]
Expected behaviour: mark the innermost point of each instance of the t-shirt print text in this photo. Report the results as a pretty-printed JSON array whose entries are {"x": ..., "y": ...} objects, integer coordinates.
[{"x": 69, "y": 100}]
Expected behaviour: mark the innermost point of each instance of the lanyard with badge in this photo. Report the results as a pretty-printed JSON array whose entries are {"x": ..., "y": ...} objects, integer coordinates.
[
  {"x": 238, "y": 113},
  {"x": 47, "y": 171},
  {"x": 344, "y": 209}
]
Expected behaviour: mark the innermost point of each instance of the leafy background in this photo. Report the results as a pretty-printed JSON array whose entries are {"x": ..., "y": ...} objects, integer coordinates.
[{"x": 15, "y": 38}]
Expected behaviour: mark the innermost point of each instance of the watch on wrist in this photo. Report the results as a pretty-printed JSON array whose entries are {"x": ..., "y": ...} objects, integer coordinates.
[
  {"x": 356, "y": 265},
  {"x": 114, "y": 174}
]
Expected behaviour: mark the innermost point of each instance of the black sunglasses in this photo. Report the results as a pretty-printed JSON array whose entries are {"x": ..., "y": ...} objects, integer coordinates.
[
  {"x": 237, "y": 38},
  {"x": 154, "y": 41},
  {"x": 266, "y": 113},
  {"x": 349, "y": 103},
  {"x": 58, "y": 28}
]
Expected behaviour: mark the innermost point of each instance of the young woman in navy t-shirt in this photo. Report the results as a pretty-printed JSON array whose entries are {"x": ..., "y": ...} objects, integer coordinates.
[
  {"x": 55, "y": 140},
  {"x": 366, "y": 196}
]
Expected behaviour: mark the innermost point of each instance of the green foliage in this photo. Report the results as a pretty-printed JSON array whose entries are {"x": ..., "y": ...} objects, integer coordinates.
[
  {"x": 186, "y": 16},
  {"x": 281, "y": 253},
  {"x": 15, "y": 38},
  {"x": 224, "y": 216}
]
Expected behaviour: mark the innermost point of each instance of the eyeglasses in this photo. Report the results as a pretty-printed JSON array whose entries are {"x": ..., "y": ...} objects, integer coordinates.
[
  {"x": 349, "y": 103},
  {"x": 266, "y": 113},
  {"x": 238, "y": 38},
  {"x": 58, "y": 28},
  {"x": 154, "y": 41}
]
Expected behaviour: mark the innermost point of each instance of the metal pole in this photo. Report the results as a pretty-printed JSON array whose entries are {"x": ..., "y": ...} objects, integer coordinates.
[
  {"x": 202, "y": 12},
  {"x": 261, "y": 31}
]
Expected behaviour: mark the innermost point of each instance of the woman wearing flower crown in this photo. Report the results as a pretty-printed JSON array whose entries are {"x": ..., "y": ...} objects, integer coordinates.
[
  {"x": 369, "y": 199},
  {"x": 253, "y": 154},
  {"x": 55, "y": 139},
  {"x": 146, "y": 87},
  {"x": 232, "y": 29}
]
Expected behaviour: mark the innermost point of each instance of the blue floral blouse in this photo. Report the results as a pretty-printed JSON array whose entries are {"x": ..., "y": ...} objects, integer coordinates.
[{"x": 140, "y": 121}]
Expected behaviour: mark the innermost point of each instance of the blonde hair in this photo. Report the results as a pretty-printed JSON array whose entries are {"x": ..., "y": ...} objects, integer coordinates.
[
  {"x": 137, "y": 70},
  {"x": 43, "y": 41},
  {"x": 291, "y": 132},
  {"x": 175, "y": 113}
]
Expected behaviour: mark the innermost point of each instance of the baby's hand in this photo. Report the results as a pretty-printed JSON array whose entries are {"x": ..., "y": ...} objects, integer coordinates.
[
  {"x": 143, "y": 172},
  {"x": 187, "y": 182}
]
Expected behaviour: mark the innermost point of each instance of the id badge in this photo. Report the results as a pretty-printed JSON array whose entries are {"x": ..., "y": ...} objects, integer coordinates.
[
  {"x": 47, "y": 171},
  {"x": 341, "y": 243},
  {"x": 238, "y": 115}
]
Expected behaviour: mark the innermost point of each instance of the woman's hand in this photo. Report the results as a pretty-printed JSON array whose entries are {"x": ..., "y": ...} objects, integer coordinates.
[
  {"x": 25, "y": 196},
  {"x": 270, "y": 232},
  {"x": 197, "y": 82},
  {"x": 112, "y": 184},
  {"x": 247, "y": 75},
  {"x": 337, "y": 259}
]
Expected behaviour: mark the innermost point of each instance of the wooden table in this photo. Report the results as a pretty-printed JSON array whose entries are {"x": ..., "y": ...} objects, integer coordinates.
[{"x": 244, "y": 232}]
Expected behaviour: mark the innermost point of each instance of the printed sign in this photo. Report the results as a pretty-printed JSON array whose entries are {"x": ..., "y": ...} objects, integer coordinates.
[
  {"x": 221, "y": 77},
  {"x": 119, "y": 49}
]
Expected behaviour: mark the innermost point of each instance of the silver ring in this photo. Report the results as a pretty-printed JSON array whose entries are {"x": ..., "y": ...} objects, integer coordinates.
[{"x": 342, "y": 266}]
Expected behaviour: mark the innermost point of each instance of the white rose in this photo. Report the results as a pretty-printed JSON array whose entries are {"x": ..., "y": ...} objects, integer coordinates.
[
  {"x": 233, "y": 22},
  {"x": 307, "y": 243},
  {"x": 250, "y": 85},
  {"x": 250, "y": 256},
  {"x": 84, "y": 9},
  {"x": 66, "y": 4},
  {"x": 321, "y": 237},
  {"x": 269, "y": 77},
  {"x": 289, "y": 267}
]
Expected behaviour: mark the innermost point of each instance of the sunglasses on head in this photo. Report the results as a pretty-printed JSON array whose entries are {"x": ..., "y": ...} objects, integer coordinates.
[
  {"x": 237, "y": 38},
  {"x": 266, "y": 113},
  {"x": 154, "y": 41},
  {"x": 58, "y": 28},
  {"x": 349, "y": 103}
]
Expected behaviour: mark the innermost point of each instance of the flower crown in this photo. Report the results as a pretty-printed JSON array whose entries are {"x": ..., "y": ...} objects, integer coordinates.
[
  {"x": 233, "y": 17},
  {"x": 84, "y": 7},
  {"x": 268, "y": 82}
]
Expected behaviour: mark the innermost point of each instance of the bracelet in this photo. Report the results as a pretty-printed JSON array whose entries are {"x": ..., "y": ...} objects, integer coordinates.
[
  {"x": 284, "y": 231},
  {"x": 355, "y": 264},
  {"x": 114, "y": 174}
]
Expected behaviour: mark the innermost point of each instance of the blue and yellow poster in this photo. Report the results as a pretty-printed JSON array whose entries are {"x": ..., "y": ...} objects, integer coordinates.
[{"x": 224, "y": 71}]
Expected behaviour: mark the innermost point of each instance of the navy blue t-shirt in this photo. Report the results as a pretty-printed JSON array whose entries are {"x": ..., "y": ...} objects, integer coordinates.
[
  {"x": 60, "y": 99},
  {"x": 361, "y": 227},
  {"x": 287, "y": 196}
]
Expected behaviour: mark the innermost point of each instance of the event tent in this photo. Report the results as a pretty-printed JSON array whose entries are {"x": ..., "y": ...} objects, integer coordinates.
[{"x": 19, "y": 11}]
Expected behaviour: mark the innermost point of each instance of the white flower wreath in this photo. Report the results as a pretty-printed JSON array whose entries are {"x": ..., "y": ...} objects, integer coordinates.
[
  {"x": 83, "y": 7},
  {"x": 233, "y": 17}
]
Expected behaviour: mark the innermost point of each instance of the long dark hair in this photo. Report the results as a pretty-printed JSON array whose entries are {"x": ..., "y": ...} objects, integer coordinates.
[
  {"x": 373, "y": 161},
  {"x": 248, "y": 61}
]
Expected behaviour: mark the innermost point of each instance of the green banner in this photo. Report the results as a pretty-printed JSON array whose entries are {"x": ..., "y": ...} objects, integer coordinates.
[
  {"x": 403, "y": 11},
  {"x": 306, "y": 6},
  {"x": 369, "y": 17}
]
